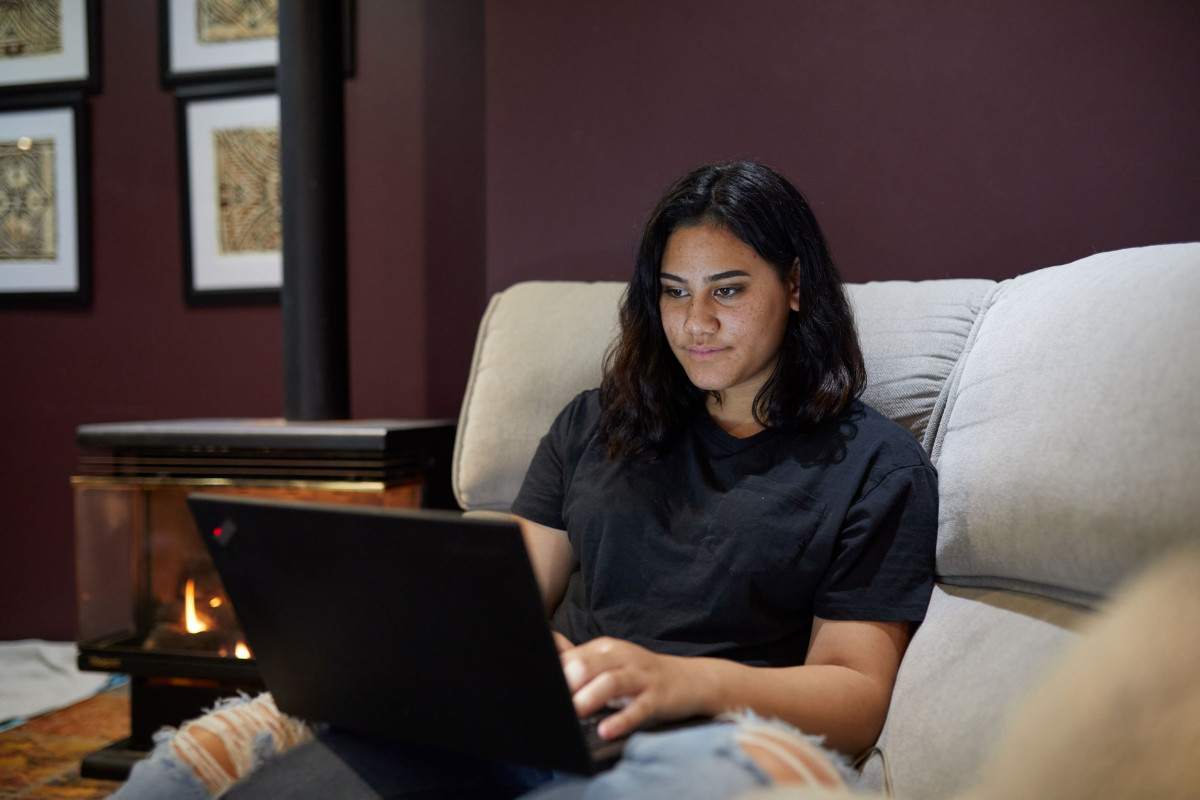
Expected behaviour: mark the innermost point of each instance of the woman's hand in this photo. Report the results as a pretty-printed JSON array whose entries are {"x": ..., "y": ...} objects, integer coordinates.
[{"x": 652, "y": 687}]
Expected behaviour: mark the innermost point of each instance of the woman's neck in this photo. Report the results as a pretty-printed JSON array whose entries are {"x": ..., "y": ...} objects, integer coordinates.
[{"x": 736, "y": 419}]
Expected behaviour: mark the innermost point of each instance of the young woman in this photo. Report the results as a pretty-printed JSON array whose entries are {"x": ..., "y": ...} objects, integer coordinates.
[{"x": 720, "y": 527}]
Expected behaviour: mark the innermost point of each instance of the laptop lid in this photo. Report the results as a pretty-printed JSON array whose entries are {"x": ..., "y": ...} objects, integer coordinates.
[{"x": 417, "y": 625}]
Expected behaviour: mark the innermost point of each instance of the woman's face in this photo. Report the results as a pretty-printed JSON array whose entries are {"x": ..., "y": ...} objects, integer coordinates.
[{"x": 724, "y": 311}]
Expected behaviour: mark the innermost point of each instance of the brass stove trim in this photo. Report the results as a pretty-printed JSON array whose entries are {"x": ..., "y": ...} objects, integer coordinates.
[{"x": 93, "y": 481}]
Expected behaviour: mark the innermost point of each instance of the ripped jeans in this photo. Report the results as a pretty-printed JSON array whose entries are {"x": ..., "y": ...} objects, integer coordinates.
[{"x": 718, "y": 760}]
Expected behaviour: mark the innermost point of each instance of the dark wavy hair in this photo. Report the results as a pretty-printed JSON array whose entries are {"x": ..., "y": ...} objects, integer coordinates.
[{"x": 645, "y": 394}]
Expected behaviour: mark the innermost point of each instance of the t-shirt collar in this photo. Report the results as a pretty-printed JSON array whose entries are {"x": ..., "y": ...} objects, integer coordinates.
[{"x": 723, "y": 440}]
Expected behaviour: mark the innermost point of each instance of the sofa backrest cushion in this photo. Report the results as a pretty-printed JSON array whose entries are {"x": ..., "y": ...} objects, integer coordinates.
[
  {"x": 541, "y": 343},
  {"x": 1070, "y": 449},
  {"x": 1072, "y": 445},
  {"x": 912, "y": 334}
]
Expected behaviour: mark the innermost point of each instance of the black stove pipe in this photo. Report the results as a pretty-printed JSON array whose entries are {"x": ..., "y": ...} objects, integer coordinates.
[{"x": 313, "y": 180}]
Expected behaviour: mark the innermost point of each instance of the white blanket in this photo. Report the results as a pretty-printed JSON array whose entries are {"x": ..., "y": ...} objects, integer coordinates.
[{"x": 38, "y": 676}]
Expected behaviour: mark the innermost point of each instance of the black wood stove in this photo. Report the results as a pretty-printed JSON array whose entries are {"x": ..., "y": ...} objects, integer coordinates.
[{"x": 150, "y": 601}]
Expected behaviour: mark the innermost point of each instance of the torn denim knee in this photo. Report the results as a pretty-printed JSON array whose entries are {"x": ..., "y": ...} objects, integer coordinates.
[
  {"x": 711, "y": 762},
  {"x": 207, "y": 755},
  {"x": 802, "y": 759}
]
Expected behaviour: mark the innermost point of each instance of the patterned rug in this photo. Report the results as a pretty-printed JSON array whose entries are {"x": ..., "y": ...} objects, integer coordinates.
[{"x": 40, "y": 759}]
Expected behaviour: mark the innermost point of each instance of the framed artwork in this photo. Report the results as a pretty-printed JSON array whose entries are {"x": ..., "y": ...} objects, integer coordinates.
[
  {"x": 203, "y": 40},
  {"x": 47, "y": 45},
  {"x": 45, "y": 234},
  {"x": 221, "y": 40},
  {"x": 230, "y": 176}
]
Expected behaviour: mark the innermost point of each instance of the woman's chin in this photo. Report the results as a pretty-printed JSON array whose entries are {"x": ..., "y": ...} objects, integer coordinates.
[{"x": 708, "y": 384}]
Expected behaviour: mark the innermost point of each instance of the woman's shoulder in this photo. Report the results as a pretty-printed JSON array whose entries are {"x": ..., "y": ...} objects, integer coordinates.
[
  {"x": 583, "y": 406},
  {"x": 580, "y": 418},
  {"x": 884, "y": 434},
  {"x": 860, "y": 434}
]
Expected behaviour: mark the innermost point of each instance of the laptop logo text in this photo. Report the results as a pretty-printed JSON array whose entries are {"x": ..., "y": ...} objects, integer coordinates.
[{"x": 224, "y": 532}]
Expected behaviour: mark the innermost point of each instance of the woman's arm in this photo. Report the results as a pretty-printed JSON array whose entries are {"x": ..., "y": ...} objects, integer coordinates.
[
  {"x": 842, "y": 691},
  {"x": 552, "y": 558}
]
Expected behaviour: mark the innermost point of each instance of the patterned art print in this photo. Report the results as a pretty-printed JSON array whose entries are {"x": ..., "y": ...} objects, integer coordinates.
[
  {"x": 30, "y": 28},
  {"x": 250, "y": 216},
  {"x": 236, "y": 20},
  {"x": 27, "y": 222}
]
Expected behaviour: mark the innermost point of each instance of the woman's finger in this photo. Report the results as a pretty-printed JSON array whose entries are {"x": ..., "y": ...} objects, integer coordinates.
[
  {"x": 583, "y": 663},
  {"x": 624, "y": 722},
  {"x": 609, "y": 685}
]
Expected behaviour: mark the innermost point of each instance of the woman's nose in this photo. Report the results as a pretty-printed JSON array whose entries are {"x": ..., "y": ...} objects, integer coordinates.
[{"x": 700, "y": 318}]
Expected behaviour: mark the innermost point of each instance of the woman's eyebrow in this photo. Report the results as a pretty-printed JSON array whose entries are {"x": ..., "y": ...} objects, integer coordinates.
[{"x": 718, "y": 276}]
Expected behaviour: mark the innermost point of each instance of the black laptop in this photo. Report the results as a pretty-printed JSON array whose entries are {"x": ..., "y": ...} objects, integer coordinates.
[{"x": 417, "y": 625}]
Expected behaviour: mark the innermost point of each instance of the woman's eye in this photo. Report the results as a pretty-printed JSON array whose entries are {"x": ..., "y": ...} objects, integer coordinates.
[
  {"x": 673, "y": 291},
  {"x": 726, "y": 292}
]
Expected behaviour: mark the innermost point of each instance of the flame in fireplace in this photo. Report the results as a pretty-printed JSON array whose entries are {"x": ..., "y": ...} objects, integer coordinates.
[
  {"x": 241, "y": 651},
  {"x": 191, "y": 622}
]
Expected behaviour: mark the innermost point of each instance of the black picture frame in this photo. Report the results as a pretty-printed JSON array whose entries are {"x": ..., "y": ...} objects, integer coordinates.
[
  {"x": 234, "y": 63},
  {"x": 70, "y": 70},
  {"x": 65, "y": 280},
  {"x": 209, "y": 276}
]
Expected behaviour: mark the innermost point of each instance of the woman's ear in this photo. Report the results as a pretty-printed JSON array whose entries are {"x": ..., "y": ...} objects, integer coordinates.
[{"x": 794, "y": 285}]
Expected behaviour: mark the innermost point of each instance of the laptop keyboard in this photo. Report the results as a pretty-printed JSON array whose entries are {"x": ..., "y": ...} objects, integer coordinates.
[{"x": 588, "y": 726}]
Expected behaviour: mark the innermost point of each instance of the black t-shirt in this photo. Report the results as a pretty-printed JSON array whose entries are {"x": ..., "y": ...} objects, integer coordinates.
[{"x": 728, "y": 547}]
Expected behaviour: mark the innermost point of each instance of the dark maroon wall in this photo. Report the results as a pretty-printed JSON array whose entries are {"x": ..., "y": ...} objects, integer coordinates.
[
  {"x": 414, "y": 128},
  {"x": 455, "y": 245},
  {"x": 415, "y": 104},
  {"x": 385, "y": 211},
  {"x": 933, "y": 139}
]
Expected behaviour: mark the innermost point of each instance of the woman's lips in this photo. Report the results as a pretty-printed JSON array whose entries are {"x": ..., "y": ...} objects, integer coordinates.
[{"x": 704, "y": 353}]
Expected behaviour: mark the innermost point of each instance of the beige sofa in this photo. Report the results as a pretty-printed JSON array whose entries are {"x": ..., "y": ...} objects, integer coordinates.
[{"x": 1061, "y": 409}]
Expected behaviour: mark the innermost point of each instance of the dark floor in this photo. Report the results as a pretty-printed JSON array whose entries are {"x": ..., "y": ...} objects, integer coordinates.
[{"x": 40, "y": 759}]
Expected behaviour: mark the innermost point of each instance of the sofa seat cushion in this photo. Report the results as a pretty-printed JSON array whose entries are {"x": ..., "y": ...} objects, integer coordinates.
[
  {"x": 975, "y": 657},
  {"x": 1121, "y": 716}
]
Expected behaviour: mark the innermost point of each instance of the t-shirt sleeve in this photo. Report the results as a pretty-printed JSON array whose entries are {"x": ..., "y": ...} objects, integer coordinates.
[
  {"x": 543, "y": 491},
  {"x": 883, "y": 564}
]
